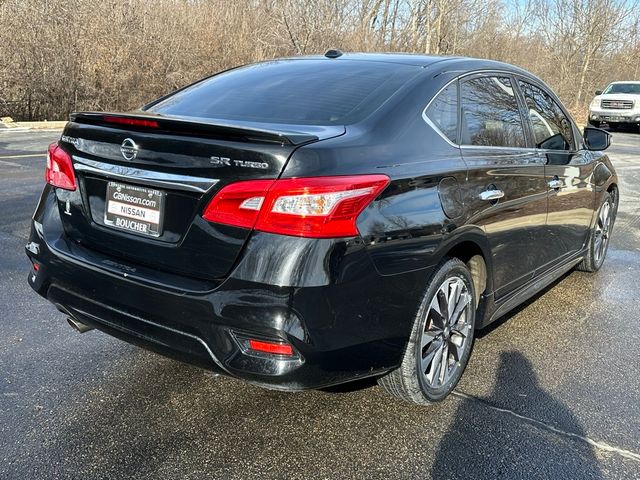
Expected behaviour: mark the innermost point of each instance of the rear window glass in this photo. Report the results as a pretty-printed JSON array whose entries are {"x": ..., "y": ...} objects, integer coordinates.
[{"x": 312, "y": 92}]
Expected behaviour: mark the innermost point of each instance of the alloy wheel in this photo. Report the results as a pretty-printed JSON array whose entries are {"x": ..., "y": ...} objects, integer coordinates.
[
  {"x": 445, "y": 337},
  {"x": 603, "y": 229}
]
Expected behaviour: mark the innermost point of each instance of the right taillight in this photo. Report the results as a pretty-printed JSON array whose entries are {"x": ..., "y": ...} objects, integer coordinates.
[
  {"x": 318, "y": 207},
  {"x": 59, "y": 169}
]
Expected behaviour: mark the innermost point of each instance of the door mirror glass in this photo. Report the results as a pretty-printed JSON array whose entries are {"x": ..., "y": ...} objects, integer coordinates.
[
  {"x": 596, "y": 138},
  {"x": 598, "y": 92}
]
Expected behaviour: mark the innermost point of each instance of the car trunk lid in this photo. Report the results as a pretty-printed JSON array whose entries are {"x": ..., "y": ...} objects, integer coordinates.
[{"x": 169, "y": 168}]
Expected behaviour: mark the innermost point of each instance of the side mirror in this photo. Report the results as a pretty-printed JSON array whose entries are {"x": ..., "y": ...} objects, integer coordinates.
[
  {"x": 598, "y": 92},
  {"x": 596, "y": 138}
]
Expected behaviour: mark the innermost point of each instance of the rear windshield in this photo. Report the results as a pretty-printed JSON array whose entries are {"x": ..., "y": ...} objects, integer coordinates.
[
  {"x": 633, "y": 88},
  {"x": 314, "y": 92}
]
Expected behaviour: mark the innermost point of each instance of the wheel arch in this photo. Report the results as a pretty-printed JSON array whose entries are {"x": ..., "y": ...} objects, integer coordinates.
[{"x": 471, "y": 246}]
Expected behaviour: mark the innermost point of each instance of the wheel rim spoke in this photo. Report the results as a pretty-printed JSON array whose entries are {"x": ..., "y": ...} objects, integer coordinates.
[
  {"x": 436, "y": 321},
  {"x": 428, "y": 358},
  {"x": 443, "y": 303},
  {"x": 461, "y": 330},
  {"x": 428, "y": 337},
  {"x": 463, "y": 300},
  {"x": 444, "y": 364},
  {"x": 454, "y": 295},
  {"x": 456, "y": 348},
  {"x": 436, "y": 359}
]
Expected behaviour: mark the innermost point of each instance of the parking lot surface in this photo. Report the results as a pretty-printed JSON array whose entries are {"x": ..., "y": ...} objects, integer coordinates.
[{"x": 551, "y": 391}]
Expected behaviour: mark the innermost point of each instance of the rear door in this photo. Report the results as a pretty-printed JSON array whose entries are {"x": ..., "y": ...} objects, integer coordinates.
[
  {"x": 506, "y": 177},
  {"x": 568, "y": 170}
]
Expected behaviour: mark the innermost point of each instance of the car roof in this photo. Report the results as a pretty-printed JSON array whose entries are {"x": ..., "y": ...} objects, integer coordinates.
[
  {"x": 625, "y": 81},
  {"x": 400, "y": 58},
  {"x": 435, "y": 63}
]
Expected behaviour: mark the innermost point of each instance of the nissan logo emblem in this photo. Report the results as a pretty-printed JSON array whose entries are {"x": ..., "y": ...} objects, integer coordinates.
[{"x": 129, "y": 149}]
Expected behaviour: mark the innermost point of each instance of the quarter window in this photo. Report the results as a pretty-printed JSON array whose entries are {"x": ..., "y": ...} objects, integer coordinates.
[
  {"x": 490, "y": 114},
  {"x": 443, "y": 111},
  {"x": 551, "y": 127}
]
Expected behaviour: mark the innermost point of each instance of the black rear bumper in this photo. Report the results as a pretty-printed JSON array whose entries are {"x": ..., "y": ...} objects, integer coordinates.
[{"x": 339, "y": 331}]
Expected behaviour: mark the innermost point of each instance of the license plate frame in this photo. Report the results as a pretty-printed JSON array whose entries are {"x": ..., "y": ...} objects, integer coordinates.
[{"x": 134, "y": 209}]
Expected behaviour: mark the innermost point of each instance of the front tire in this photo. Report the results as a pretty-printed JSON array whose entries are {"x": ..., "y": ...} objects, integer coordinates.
[
  {"x": 441, "y": 339},
  {"x": 594, "y": 123},
  {"x": 599, "y": 236}
]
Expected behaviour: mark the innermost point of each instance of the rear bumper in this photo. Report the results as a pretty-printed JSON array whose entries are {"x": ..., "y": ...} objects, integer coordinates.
[{"x": 355, "y": 326}]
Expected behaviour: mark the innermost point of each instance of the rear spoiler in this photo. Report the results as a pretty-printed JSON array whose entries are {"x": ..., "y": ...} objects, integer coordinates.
[{"x": 249, "y": 131}]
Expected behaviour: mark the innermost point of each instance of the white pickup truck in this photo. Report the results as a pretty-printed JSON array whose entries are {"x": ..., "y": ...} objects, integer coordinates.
[{"x": 618, "y": 104}]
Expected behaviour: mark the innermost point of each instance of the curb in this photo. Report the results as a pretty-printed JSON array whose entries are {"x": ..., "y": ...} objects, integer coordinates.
[{"x": 7, "y": 124}]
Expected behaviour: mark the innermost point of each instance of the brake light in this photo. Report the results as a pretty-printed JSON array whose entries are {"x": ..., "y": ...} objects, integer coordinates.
[
  {"x": 59, "y": 169},
  {"x": 135, "y": 122},
  {"x": 318, "y": 207}
]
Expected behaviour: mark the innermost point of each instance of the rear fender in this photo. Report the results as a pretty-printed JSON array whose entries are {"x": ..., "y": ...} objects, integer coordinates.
[{"x": 468, "y": 234}]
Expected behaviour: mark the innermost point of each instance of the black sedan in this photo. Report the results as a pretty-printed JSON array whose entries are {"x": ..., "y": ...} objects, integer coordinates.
[{"x": 305, "y": 222}]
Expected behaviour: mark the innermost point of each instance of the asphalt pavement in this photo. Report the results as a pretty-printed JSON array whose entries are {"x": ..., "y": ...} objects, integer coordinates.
[{"x": 551, "y": 391}]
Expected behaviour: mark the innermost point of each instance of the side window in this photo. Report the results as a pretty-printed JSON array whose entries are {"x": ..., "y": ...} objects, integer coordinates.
[
  {"x": 443, "y": 111},
  {"x": 490, "y": 114},
  {"x": 551, "y": 127}
]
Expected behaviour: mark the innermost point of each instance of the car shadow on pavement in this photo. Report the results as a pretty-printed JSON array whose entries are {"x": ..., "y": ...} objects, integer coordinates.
[{"x": 498, "y": 436}]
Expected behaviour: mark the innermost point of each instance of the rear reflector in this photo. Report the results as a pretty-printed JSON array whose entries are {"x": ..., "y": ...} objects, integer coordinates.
[
  {"x": 59, "y": 169},
  {"x": 318, "y": 207},
  {"x": 134, "y": 122},
  {"x": 271, "y": 347}
]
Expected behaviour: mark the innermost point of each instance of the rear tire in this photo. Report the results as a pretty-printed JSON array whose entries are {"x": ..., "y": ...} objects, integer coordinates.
[
  {"x": 599, "y": 237},
  {"x": 441, "y": 339}
]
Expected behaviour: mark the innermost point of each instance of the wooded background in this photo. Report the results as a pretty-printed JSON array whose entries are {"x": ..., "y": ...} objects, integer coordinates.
[{"x": 57, "y": 56}]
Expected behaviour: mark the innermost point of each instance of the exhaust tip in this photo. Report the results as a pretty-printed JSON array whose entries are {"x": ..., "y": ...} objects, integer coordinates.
[{"x": 78, "y": 326}]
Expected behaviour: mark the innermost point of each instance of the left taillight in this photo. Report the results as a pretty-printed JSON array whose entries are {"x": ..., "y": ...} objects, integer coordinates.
[
  {"x": 59, "y": 170},
  {"x": 317, "y": 207}
]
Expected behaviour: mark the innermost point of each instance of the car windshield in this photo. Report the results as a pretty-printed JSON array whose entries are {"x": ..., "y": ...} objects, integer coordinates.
[
  {"x": 312, "y": 92},
  {"x": 633, "y": 88}
]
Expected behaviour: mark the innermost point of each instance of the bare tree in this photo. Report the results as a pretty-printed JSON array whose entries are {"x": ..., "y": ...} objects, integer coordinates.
[{"x": 57, "y": 56}]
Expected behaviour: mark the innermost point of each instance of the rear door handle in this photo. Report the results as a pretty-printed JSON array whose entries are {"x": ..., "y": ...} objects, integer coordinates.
[
  {"x": 491, "y": 195},
  {"x": 556, "y": 183}
]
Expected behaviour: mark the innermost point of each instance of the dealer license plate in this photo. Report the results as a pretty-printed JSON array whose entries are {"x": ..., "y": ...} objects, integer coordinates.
[{"x": 134, "y": 209}]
